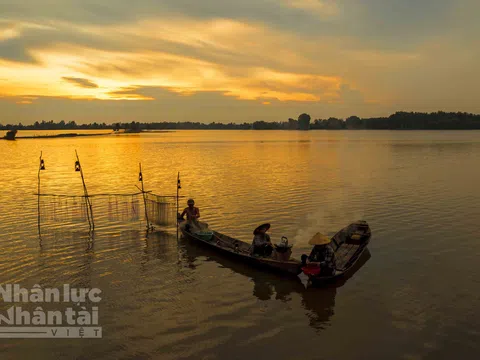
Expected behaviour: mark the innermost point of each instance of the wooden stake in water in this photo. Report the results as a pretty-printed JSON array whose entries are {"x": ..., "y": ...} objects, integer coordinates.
[
  {"x": 88, "y": 204},
  {"x": 140, "y": 178},
  {"x": 41, "y": 167},
  {"x": 178, "y": 190}
]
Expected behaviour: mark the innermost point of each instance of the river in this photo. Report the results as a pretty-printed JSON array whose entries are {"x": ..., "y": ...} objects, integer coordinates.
[{"x": 415, "y": 296}]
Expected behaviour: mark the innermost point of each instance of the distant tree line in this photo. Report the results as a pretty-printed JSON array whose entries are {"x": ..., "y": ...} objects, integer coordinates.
[
  {"x": 137, "y": 126},
  {"x": 398, "y": 121},
  {"x": 417, "y": 121},
  {"x": 403, "y": 121},
  {"x": 51, "y": 125}
]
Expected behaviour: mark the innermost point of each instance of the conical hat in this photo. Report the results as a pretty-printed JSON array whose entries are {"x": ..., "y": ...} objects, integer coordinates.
[
  {"x": 261, "y": 227},
  {"x": 319, "y": 239}
]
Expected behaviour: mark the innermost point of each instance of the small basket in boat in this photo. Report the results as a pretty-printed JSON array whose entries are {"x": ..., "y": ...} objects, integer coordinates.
[
  {"x": 356, "y": 239},
  {"x": 204, "y": 235}
]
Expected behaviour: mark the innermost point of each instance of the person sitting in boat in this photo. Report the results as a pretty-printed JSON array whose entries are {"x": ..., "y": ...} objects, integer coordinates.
[
  {"x": 322, "y": 254},
  {"x": 261, "y": 244},
  {"x": 193, "y": 213}
]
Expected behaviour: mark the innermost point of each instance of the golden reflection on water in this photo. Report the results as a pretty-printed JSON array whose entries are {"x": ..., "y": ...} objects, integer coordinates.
[{"x": 169, "y": 299}]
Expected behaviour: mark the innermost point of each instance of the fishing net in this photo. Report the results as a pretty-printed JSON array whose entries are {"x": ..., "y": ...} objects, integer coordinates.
[
  {"x": 120, "y": 208},
  {"x": 162, "y": 210},
  {"x": 142, "y": 206},
  {"x": 73, "y": 209},
  {"x": 124, "y": 208},
  {"x": 62, "y": 209}
]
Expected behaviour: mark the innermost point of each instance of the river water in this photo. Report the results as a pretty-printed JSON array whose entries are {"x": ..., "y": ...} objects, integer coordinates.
[{"x": 416, "y": 295}]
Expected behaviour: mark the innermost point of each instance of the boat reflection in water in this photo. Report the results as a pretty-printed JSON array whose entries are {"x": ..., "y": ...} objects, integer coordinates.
[{"x": 318, "y": 301}]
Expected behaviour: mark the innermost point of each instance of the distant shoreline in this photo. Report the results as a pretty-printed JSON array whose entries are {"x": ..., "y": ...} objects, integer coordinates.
[
  {"x": 59, "y": 136},
  {"x": 399, "y": 121},
  {"x": 69, "y": 135},
  {"x": 72, "y": 135}
]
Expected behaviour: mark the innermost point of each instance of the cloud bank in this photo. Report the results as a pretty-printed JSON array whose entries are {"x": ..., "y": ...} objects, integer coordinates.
[{"x": 269, "y": 58}]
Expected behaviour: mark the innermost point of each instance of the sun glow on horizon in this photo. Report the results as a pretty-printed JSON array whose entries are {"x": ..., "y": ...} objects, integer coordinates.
[
  {"x": 81, "y": 72},
  {"x": 172, "y": 59}
]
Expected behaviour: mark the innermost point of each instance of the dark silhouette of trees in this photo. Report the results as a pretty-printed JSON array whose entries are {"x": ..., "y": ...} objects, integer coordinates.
[
  {"x": 133, "y": 127},
  {"x": 353, "y": 122},
  {"x": 398, "y": 121},
  {"x": 304, "y": 122},
  {"x": 292, "y": 124},
  {"x": 50, "y": 125},
  {"x": 404, "y": 121},
  {"x": 263, "y": 125},
  {"x": 420, "y": 121},
  {"x": 335, "y": 124}
]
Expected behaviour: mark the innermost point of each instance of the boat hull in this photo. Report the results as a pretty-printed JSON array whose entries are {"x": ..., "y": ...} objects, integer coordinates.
[
  {"x": 349, "y": 245},
  {"x": 239, "y": 250}
]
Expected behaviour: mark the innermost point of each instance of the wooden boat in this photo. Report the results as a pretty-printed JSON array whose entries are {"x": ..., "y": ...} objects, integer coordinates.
[
  {"x": 238, "y": 249},
  {"x": 194, "y": 249},
  {"x": 348, "y": 244}
]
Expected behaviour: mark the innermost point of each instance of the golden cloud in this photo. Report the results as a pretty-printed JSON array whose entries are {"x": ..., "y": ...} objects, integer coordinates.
[
  {"x": 8, "y": 33},
  {"x": 11, "y": 30},
  {"x": 243, "y": 60},
  {"x": 85, "y": 83}
]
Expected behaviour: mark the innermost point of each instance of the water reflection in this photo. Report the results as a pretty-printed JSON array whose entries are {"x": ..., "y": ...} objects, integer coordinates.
[
  {"x": 170, "y": 302},
  {"x": 319, "y": 303},
  {"x": 441, "y": 146},
  {"x": 155, "y": 247}
]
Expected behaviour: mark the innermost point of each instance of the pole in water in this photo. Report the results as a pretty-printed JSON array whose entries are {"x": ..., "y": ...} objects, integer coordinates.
[
  {"x": 178, "y": 190},
  {"x": 40, "y": 168},
  {"x": 140, "y": 178},
  {"x": 88, "y": 204}
]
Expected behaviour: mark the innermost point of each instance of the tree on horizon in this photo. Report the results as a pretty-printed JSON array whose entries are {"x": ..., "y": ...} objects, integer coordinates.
[{"x": 304, "y": 122}]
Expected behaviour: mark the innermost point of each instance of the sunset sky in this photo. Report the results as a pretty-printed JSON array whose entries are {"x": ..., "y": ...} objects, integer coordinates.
[{"x": 235, "y": 60}]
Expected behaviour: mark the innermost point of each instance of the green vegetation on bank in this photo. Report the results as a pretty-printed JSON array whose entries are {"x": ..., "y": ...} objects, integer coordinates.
[{"x": 398, "y": 121}]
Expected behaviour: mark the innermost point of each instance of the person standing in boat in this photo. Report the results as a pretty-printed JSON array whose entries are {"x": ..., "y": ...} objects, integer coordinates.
[
  {"x": 322, "y": 254},
  {"x": 261, "y": 244},
  {"x": 192, "y": 212}
]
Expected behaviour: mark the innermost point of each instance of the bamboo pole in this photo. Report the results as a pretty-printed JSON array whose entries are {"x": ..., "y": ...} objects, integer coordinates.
[
  {"x": 178, "y": 190},
  {"x": 88, "y": 203},
  {"x": 38, "y": 202},
  {"x": 140, "y": 177}
]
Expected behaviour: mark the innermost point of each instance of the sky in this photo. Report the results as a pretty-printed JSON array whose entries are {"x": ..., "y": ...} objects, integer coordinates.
[{"x": 235, "y": 61}]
